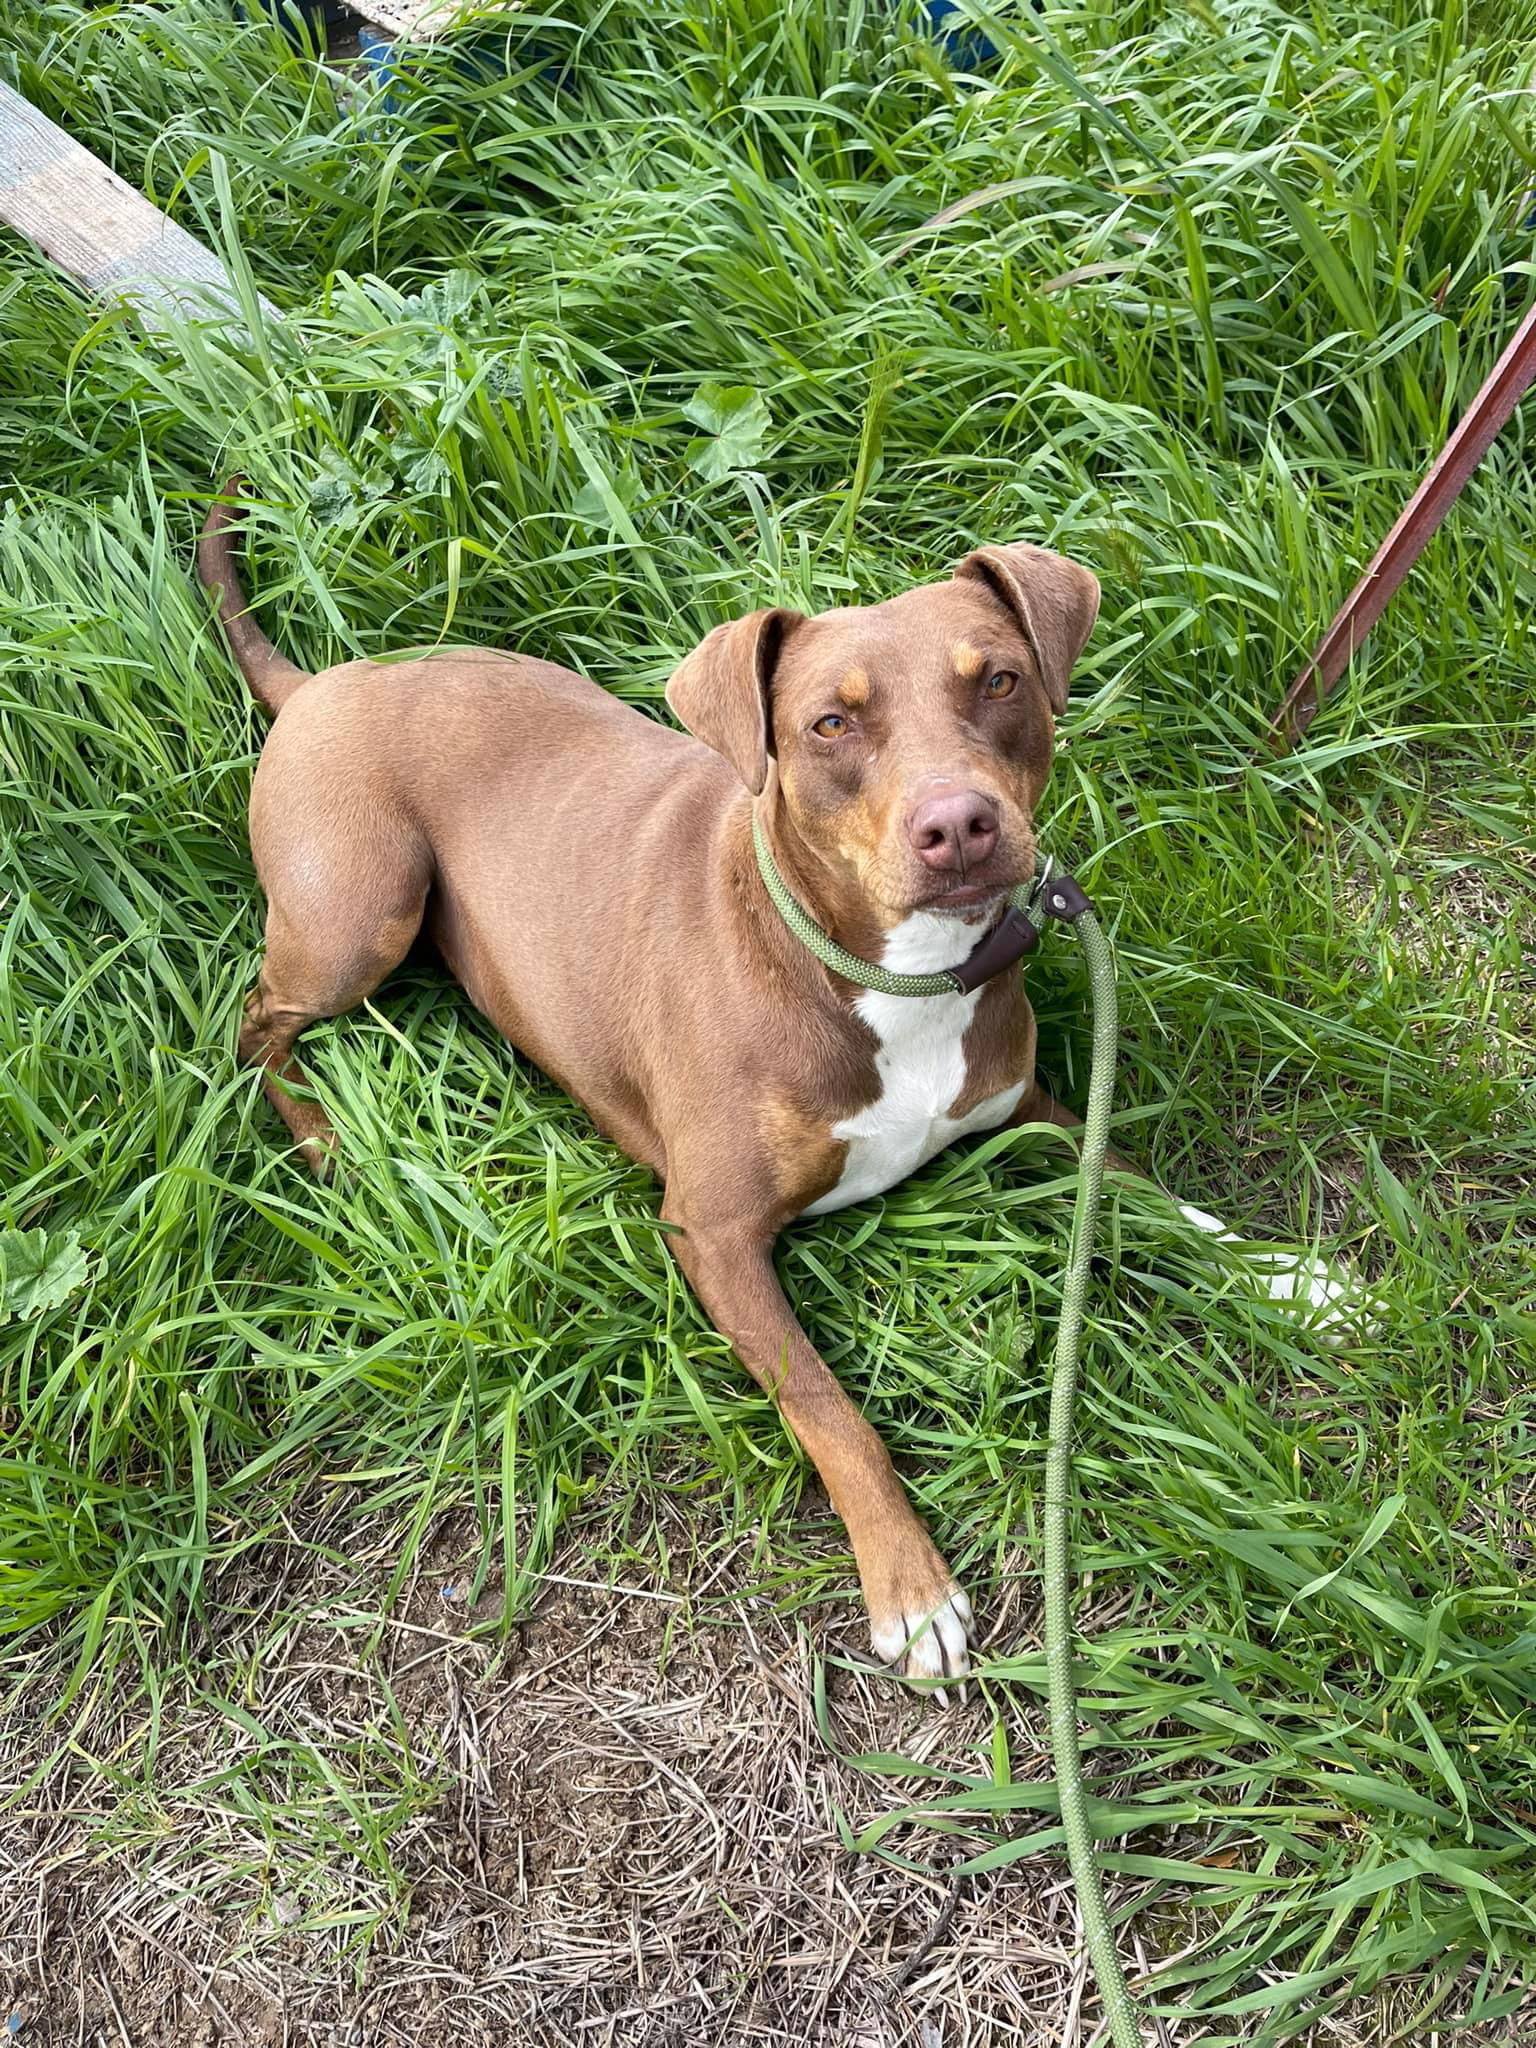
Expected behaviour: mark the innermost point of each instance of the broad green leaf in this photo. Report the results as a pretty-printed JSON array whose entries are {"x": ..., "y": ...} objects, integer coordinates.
[
  {"x": 737, "y": 421},
  {"x": 39, "y": 1272}
]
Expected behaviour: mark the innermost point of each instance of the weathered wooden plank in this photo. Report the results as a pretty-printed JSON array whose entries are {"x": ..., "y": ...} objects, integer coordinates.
[
  {"x": 93, "y": 225},
  {"x": 410, "y": 20}
]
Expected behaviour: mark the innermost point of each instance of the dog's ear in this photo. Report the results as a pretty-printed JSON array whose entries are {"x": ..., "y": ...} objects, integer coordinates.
[
  {"x": 1054, "y": 601},
  {"x": 720, "y": 691}
]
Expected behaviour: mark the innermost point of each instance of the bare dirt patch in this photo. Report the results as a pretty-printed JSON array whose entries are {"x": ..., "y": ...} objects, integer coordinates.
[{"x": 622, "y": 1827}]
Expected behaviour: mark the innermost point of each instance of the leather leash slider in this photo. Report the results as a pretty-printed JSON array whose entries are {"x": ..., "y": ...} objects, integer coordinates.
[{"x": 1062, "y": 898}]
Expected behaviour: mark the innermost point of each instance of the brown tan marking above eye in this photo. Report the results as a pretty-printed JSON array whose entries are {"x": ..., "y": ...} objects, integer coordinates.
[
  {"x": 832, "y": 727},
  {"x": 1002, "y": 683},
  {"x": 968, "y": 661},
  {"x": 853, "y": 690}
]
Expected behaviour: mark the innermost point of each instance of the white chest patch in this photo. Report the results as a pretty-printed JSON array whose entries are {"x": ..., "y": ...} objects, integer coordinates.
[{"x": 921, "y": 1065}]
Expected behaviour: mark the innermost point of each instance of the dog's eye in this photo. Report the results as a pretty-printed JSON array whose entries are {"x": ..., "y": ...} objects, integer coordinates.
[
  {"x": 832, "y": 727},
  {"x": 1002, "y": 684}
]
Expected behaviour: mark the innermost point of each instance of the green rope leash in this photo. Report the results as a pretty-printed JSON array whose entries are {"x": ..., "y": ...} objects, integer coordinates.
[
  {"x": 1077, "y": 1825},
  {"x": 1063, "y": 900}
]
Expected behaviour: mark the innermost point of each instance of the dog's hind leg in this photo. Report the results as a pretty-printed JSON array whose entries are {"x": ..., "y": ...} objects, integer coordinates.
[
  {"x": 1324, "y": 1292},
  {"x": 341, "y": 915}
]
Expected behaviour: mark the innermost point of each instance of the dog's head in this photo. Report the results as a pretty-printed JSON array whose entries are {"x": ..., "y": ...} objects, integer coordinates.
[{"x": 912, "y": 738}]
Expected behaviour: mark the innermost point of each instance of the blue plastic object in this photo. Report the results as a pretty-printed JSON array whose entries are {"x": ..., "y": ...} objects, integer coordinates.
[
  {"x": 376, "y": 47},
  {"x": 967, "y": 47}
]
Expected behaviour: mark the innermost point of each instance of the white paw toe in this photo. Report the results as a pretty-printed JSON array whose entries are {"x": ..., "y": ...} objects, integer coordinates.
[
  {"x": 929, "y": 1646},
  {"x": 1311, "y": 1283},
  {"x": 1327, "y": 1298}
]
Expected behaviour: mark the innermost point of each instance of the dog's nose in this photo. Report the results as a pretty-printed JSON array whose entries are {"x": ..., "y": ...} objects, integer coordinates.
[{"x": 956, "y": 831}]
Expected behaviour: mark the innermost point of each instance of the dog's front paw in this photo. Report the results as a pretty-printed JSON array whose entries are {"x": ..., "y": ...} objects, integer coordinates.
[
  {"x": 1325, "y": 1296},
  {"x": 921, "y": 1621}
]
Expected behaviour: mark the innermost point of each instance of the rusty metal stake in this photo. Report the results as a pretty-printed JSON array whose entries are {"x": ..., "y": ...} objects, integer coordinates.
[{"x": 1470, "y": 441}]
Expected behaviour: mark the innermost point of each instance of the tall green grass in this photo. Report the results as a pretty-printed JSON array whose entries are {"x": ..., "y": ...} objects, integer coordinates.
[{"x": 1215, "y": 281}]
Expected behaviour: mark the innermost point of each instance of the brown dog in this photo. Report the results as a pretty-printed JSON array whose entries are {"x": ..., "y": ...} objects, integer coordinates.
[{"x": 588, "y": 875}]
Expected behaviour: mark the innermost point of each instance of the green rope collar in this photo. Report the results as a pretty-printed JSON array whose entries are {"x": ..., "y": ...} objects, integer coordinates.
[{"x": 1016, "y": 932}]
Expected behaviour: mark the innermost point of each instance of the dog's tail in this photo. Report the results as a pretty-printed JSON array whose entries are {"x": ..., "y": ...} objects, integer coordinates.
[{"x": 272, "y": 676}]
